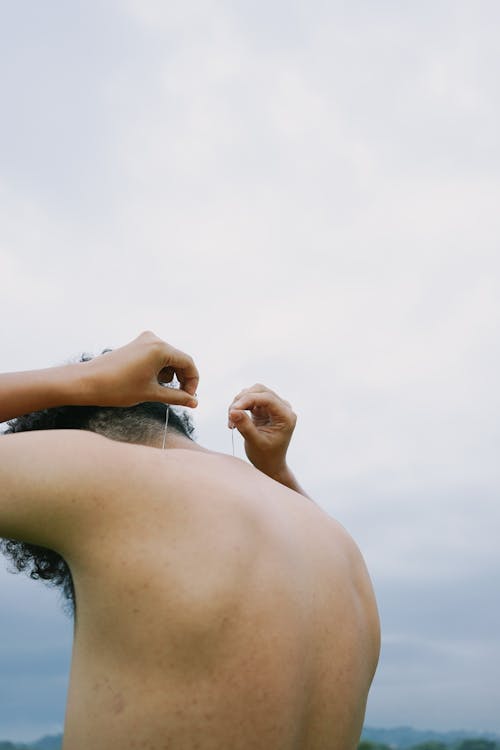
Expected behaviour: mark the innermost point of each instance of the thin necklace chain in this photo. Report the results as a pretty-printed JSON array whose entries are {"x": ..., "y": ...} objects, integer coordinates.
[{"x": 165, "y": 430}]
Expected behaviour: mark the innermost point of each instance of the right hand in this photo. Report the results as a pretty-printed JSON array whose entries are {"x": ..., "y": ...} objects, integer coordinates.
[
  {"x": 134, "y": 373},
  {"x": 266, "y": 421}
]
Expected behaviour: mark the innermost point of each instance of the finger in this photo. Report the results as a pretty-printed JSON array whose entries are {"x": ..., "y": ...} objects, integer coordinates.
[
  {"x": 174, "y": 396},
  {"x": 257, "y": 388},
  {"x": 264, "y": 400},
  {"x": 243, "y": 423},
  {"x": 189, "y": 384},
  {"x": 185, "y": 369}
]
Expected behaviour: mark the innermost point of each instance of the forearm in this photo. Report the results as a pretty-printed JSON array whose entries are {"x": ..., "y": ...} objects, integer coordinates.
[{"x": 24, "y": 392}]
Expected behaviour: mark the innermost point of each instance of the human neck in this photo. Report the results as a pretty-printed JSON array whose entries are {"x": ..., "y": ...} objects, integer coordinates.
[{"x": 175, "y": 440}]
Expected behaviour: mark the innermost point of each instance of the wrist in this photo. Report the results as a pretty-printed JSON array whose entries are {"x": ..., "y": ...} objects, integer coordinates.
[
  {"x": 72, "y": 385},
  {"x": 281, "y": 474},
  {"x": 286, "y": 477}
]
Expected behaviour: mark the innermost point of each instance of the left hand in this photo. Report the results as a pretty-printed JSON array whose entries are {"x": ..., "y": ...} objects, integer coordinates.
[
  {"x": 135, "y": 373},
  {"x": 267, "y": 430}
]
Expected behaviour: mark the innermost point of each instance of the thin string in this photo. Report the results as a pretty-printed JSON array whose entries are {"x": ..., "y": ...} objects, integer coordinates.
[
  {"x": 173, "y": 384},
  {"x": 166, "y": 425},
  {"x": 232, "y": 439}
]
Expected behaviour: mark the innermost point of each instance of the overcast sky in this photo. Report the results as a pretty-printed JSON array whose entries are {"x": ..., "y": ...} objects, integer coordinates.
[{"x": 304, "y": 194}]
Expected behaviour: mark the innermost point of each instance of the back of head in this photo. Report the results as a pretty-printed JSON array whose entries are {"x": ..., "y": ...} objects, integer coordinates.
[{"x": 143, "y": 423}]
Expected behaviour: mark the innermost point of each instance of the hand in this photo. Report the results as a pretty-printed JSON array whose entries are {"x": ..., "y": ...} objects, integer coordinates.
[
  {"x": 134, "y": 373},
  {"x": 267, "y": 430}
]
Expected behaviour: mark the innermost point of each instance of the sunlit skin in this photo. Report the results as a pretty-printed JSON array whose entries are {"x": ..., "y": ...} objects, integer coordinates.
[{"x": 217, "y": 606}]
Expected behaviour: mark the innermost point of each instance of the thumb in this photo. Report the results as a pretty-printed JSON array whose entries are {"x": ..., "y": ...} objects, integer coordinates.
[
  {"x": 174, "y": 396},
  {"x": 244, "y": 424}
]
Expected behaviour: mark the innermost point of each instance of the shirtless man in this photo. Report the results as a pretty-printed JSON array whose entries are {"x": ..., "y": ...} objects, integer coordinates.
[{"x": 217, "y": 607}]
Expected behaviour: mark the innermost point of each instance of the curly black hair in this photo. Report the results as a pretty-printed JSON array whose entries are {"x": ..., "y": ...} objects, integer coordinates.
[{"x": 142, "y": 423}]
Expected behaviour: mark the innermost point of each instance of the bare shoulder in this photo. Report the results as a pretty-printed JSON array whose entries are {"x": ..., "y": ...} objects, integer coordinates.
[
  {"x": 58, "y": 457},
  {"x": 341, "y": 578},
  {"x": 50, "y": 478},
  {"x": 364, "y": 602}
]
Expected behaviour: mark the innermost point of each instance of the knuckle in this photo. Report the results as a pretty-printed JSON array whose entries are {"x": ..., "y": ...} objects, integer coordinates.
[
  {"x": 156, "y": 346},
  {"x": 149, "y": 338}
]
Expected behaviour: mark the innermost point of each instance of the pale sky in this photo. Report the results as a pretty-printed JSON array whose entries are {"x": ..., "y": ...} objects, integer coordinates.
[{"x": 303, "y": 194}]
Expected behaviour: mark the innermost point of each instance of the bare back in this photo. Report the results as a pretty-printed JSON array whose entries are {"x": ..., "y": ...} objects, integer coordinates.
[{"x": 216, "y": 610}]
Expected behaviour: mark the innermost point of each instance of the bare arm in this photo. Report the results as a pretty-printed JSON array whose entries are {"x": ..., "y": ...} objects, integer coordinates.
[
  {"x": 267, "y": 430},
  {"x": 23, "y": 392},
  {"x": 123, "y": 377},
  {"x": 47, "y": 479}
]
